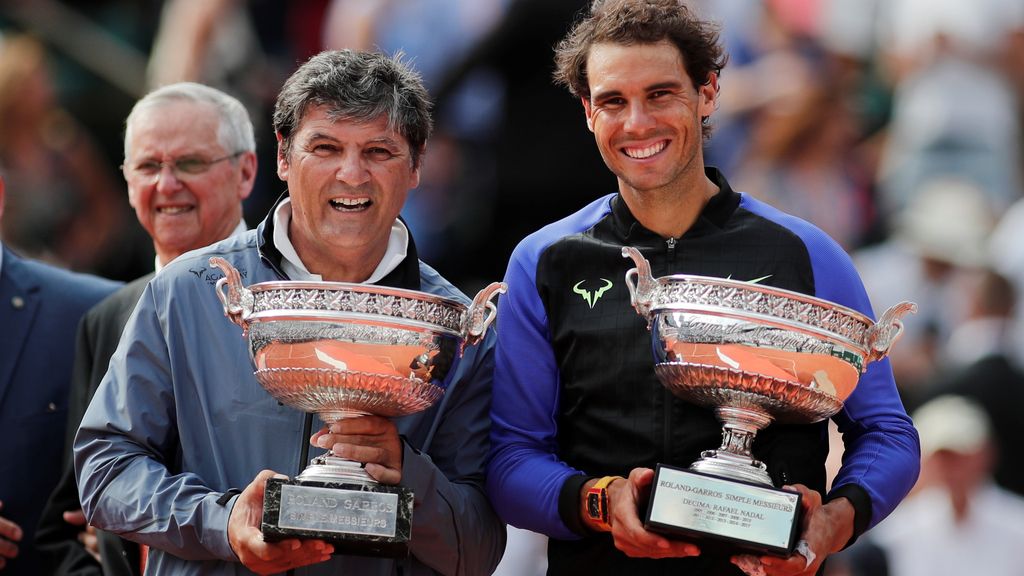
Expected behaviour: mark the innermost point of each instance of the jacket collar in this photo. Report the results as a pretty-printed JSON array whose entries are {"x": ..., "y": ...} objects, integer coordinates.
[
  {"x": 711, "y": 219},
  {"x": 406, "y": 275}
]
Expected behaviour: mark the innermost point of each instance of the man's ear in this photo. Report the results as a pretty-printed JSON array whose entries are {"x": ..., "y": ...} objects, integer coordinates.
[
  {"x": 708, "y": 92},
  {"x": 418, "y": 169},
  {"x": 282, "y": 158},
  {"x": 248, "y": 168},
  {"x": 589, "y": 111}
]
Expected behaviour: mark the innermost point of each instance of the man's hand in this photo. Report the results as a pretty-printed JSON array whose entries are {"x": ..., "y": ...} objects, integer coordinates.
[
  {"x": 628, "y": 531},
  {"x": 87, "y": 536},
  {"x": 372, "y": 440},
  {"x": 826, "y": 529},
  {"x": 246, "y": 540},
  {"x": 10, "y": 535}
]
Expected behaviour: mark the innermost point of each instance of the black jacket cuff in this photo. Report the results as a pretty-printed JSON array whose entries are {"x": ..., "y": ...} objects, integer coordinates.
[
  {"x": 861, "y": 507},
  {"x": 569, "y": 503}
]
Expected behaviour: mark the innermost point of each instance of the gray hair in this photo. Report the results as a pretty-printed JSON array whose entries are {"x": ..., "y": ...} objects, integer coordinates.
[
  {"x": 359, "y": 86},
  {"x": 235, "y": 133}
]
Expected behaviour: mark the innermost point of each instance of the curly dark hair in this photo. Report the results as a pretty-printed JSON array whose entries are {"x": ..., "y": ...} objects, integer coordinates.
[
  {"x": 357, "y": 86},
  {"x": 631, "y": 22}
]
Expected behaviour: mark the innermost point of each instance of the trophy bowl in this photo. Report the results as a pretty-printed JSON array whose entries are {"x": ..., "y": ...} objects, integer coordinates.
[
  {"x": 345, "y": 350},
  {"x": 755, "y": 355}
]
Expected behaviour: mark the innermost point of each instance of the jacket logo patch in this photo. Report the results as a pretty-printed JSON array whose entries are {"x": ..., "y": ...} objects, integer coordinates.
[
  {"x": 589, "y": 297},
  {"x": 211, "y": 275}
]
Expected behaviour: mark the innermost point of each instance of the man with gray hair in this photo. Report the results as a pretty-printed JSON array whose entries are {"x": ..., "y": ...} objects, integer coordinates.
[
  {"x": 189, "y": 162},
  {"x": 180, "y": 424}
]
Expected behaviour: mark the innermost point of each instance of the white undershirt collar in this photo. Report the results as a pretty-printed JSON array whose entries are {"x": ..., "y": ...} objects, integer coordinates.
[{"x": 398, "y": 248}]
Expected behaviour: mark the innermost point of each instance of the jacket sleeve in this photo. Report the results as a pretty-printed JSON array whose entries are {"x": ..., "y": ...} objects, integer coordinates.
[
  {"x": 455, "y": 530},
  {"x": 525, "y": 477},
  {"x": 126, "y": 449},
  {"x": 882, "y": 455}
]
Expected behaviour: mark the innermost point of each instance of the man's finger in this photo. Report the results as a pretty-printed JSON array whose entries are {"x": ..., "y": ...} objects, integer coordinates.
[
  {"x": 372, "y": 425},
  {"x": 10, "y": 530},
  {"x": 8, "y": 549},
  {"x": 75, "y": 517}
]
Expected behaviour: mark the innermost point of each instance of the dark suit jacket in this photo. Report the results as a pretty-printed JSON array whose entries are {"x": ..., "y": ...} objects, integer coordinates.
[
  {"x": 56, "y": 540},
  {"x": 40, "y": 306}
]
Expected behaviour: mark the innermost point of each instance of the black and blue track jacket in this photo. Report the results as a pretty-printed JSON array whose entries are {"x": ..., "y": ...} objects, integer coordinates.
[{"x": 576, "y": 396}]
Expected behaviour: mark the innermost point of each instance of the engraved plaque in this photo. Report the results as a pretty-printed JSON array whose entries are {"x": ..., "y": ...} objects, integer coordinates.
[
  {"x": 692, "y": 504},
  {"x": 342, "y": 511}
]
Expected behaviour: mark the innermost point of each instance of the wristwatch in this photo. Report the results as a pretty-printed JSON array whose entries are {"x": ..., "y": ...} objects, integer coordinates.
[{"x": 597, "y": 503}]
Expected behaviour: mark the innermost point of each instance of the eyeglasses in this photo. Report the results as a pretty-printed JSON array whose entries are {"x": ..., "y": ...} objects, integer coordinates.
[{"x": 182, "y": 167}]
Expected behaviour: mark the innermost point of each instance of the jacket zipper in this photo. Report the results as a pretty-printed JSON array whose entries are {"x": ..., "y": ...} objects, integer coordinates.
[{"x": 667, "y": 395}]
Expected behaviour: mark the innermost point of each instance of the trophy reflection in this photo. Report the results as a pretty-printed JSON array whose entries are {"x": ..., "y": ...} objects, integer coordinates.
[
  {"x": 344, "y": 350},
  {"x": 755, "y": 355}
]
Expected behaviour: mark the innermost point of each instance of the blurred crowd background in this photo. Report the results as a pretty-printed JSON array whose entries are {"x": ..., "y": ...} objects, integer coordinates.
[{"x": 894, "y": 125}]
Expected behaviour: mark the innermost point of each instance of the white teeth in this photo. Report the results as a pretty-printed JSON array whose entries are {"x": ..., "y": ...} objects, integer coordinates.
[
  {"x": 173, "y": 209},
  {"x": 349, "y": 203},
  {"x": 645, "y": 152}
]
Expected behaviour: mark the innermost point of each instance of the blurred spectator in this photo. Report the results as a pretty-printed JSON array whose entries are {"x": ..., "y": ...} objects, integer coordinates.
[
  {"x": 955, "y": 111},
  {"x": 545, "y": 163},
  {"x": 62, "y": 204},
  {"x": 862, "y": 558},
  {"x": 937, "y": 240},
  {"x": 976, "y": 363},
  {"x": 39, "y": 310},
  {"x": 1006, "y": 255},
  {"x": 802, "y": 158},
  {"x": 957, "y": 521},
  {"x": 769, "y": 62}
]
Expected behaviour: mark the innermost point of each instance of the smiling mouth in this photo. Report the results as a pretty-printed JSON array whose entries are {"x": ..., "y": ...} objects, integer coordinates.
[
  {"x": 646, "y": 151},
  {"x": 351, "y": 204},
  {"x": 173, "y": 210}
]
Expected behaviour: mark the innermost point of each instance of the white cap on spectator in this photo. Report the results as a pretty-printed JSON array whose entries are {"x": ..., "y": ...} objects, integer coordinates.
[
  {"x": 949, "y": 219},
  {"x": 951, "y": 423}
]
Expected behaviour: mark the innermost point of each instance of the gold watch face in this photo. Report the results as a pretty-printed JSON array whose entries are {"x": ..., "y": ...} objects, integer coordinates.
[{"x": 594, "y": 506}]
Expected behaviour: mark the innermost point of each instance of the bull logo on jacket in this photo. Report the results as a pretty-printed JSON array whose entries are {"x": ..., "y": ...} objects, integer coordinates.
[{"x": 589, "y": 297}]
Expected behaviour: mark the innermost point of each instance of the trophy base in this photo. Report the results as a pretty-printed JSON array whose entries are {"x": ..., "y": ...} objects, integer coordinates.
[
  {"x": 723, "y": 512},
  {"x": 361, "y": 519}
]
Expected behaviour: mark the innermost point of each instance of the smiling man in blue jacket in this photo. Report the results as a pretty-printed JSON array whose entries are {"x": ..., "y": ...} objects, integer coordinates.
[
  {"x": 179, "y": 420},
  {"x": 577, "y": 405}
]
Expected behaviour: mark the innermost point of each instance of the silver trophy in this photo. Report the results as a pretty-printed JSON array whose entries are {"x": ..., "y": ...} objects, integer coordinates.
[
  {"x": 344, "y": 350},
  {"x": 755, "y": 355}
]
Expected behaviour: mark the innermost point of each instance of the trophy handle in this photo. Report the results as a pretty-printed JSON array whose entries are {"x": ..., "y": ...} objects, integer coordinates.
[
  {"x": 236, "y": 299},
  {"x": 640, "y": 282},
  {"x": 481, "y": 313},
  {"x": 883, "y": 334}
]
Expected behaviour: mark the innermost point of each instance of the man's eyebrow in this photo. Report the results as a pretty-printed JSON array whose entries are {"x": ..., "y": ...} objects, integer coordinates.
[
  {"x": 604, "y": 95},
  {"x": 666, "y": 85},
  {"x": 387, "y": 140},
  {"x": 321, "y": 136}
]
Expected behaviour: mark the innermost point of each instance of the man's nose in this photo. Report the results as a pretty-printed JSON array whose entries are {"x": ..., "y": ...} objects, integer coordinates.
[
  {"x": 167, "y": 177},
  {"x": 638, "y": 118},
  {"x": 352, "y": 170}
]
